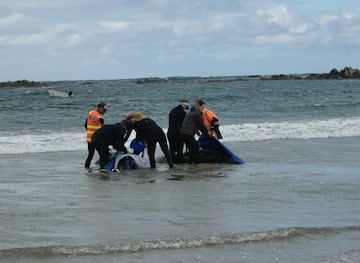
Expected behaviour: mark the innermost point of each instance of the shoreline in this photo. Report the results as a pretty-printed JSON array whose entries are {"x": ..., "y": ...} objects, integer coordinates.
[{"x": 334, "y": 74}]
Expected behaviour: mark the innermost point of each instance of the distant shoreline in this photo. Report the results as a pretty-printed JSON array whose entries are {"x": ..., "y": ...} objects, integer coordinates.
[
  {"x": 346, "y": 73},
  {"x": 334, "y": 74},
  {"x": 22, "y": 83}
]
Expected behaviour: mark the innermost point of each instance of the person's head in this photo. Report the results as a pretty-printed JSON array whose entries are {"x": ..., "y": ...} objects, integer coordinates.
[
  {"x": 135, "y": 116},
  {"x": 102, "y": 107},
  {"x": 184, "y": 104},
  {"x": 199, "y": 104},
  {"x": 126, "y": 124}
]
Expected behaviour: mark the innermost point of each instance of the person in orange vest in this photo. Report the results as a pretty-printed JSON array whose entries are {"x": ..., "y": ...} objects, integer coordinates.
[
  {"x": 94, "y": 121},
  {"x": 211, "y": 121}
]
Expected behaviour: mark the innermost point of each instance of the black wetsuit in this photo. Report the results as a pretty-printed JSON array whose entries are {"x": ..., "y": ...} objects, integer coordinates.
[
  {"x": 176, "y": 145},
  {"x": 147, "y": 130},
  {"x": 190, "y": 126},
  {"x": 112, "y": 134}
]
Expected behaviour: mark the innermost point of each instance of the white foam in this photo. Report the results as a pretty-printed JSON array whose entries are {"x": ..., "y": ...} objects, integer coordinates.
[
  {"x": 331, "y": 128},
  {"x": 74, "y": 141}
]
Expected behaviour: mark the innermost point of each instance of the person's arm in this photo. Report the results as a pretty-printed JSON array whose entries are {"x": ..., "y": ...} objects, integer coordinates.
[
  {"x": 140, "y": 129},
  {"x": 215, "y": 121},
  {"x": 119, "y": 144},
  {"x": 200, "y": 124},
  {"x": 101, "y": 119},
  {"x": 127, "y": 135}
]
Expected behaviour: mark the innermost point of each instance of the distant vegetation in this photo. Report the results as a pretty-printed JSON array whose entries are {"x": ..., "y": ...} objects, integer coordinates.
[
  {"x": 345, "y": 73},
  {"x": 22, "y": 83}
]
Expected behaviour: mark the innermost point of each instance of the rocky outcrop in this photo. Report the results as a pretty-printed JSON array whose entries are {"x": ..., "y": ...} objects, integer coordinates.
[
  {"x": 151, "y": 80},
  {"x": 349, "y": 73},
  {"x": 346, "y": 73},
  {"x": 22, "y": 83}
]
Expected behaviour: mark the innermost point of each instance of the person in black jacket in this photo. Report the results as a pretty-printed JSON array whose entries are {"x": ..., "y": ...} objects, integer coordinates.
[
  {"x": 151, "y": 133},
  {"x": 176, "y": 117},
  {"x": 111, "y": 134},
  {"x": 191, "y": 125}
]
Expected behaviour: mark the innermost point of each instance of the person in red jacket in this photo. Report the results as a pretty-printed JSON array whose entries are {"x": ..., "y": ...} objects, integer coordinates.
[{"x": 94, "y": 121}]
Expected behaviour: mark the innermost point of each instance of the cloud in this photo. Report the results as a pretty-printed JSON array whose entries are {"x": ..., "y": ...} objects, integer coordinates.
[
  {"x": 25, "y": 39},
  {"x": 278, "y": 15},
  {"x": 12, "y": 19},
  {"x": 107, "y": 49},
  {"x": 160, "y": 3},
  {"x": 175, "y": 32},
  {"x": 41, "y": 4},
  {"x": 115, "y": 25}
]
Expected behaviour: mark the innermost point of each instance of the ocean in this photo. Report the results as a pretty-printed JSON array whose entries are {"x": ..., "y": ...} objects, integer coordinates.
[{"x": 296, "y": 199}]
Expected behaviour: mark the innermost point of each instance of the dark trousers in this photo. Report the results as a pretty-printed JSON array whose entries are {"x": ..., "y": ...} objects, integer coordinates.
[
  {"x": 151, "y": 147},
  {"x": 193, "y": 147},
  {"x": 103, "y": 152},
  {"x": 176, "y": 146},
  {"x": 91, "y": 152}
]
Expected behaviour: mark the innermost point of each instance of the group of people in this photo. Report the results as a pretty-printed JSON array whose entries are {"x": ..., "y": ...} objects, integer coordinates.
[{"x": 183, "y": 126}]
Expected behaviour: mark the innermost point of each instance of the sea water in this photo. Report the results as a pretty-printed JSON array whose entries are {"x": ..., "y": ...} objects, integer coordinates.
[{"x": 296, "y": 199}]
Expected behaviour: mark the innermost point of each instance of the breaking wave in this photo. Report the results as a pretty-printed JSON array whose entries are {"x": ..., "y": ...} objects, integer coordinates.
[
  {"x": 131, "y": 247},
  {"x": 14, "y": 143}
]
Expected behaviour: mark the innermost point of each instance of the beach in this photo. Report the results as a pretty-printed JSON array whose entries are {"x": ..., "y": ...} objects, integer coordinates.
[
  {"x": 293, "y": 201},
  {"x": 296, "y": 198}
]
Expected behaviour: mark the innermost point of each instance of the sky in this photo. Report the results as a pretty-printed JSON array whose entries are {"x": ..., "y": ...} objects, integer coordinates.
[{"x": 46, "y": 40}]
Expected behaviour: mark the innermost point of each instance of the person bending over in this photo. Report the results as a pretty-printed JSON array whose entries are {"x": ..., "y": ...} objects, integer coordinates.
[
  {"x": 111, "y": 134},
  {"x": 191, "y": 125},
  {"x": 148, "y": 131}
]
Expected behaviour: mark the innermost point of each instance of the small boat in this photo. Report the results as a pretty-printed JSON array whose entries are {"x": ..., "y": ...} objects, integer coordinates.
[{"x": 58, "y": 93}]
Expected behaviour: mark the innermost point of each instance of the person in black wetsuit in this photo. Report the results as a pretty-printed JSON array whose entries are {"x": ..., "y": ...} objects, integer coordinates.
[
  {"x": 176, "y": 117},
  {"x": 191, "y": 125},
  {"x": 111, "y": 134},
  {"x": 151, "y": 133}
]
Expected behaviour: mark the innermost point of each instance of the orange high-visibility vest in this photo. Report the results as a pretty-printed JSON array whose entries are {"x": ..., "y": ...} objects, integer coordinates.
[
  {"x": 93, "y": 123},
  {"x": 207, "y": 117}
]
